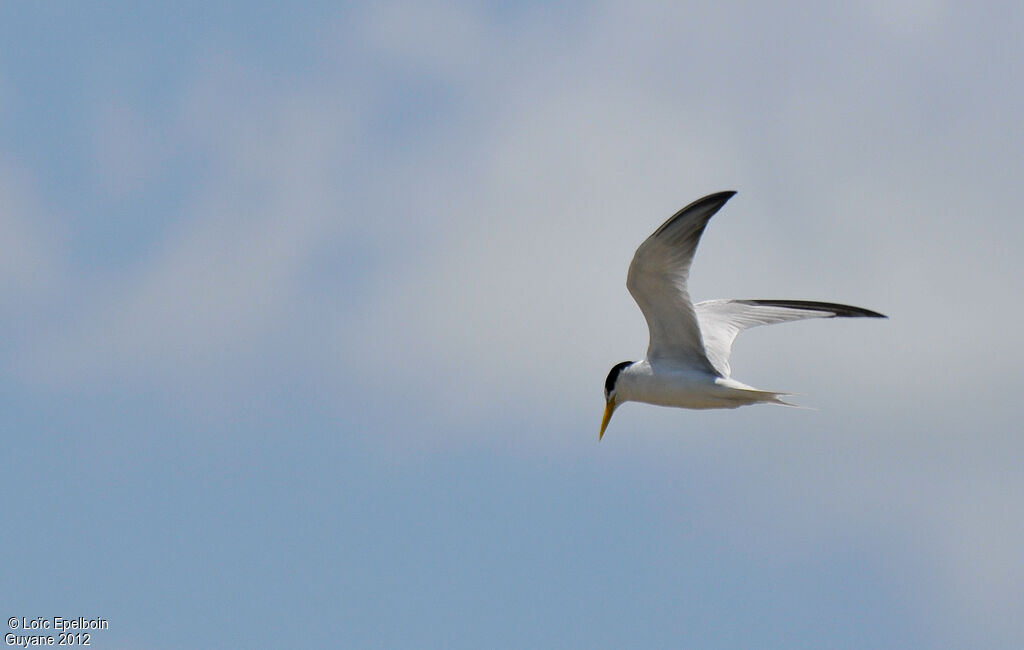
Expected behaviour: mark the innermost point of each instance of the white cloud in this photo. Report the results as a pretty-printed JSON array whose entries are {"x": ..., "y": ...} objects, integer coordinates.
[
  {"x": 503, "y": 238},
  {"x": 129, "y": 151},
  {"x": 566, "y": 168},
  {"x": 229, "y": 273},
  {"x": 445, "y": 39},
  {"x": 500, "y": 245},
  {"x": 908, "y": 18},
  {"x": 29, "y": 265},
  {"x": 528, "y": 273}
]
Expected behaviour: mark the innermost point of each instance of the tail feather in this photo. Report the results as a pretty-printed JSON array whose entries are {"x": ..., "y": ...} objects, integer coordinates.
[
  {"x": 776, "y": 399},
  {"x": 773, "y": 397}
]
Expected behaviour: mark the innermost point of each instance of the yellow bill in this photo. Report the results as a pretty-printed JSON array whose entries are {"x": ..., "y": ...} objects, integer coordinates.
[{"x": 609, "y": 408}]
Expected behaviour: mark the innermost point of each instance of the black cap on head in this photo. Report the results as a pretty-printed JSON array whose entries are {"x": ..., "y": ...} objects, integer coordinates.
[{"x": 613, "y": 374}]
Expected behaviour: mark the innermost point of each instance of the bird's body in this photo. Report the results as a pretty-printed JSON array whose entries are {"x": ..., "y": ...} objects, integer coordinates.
[
  {"x": 684, "y": 387},
  {"x": 687, "y": 362}
]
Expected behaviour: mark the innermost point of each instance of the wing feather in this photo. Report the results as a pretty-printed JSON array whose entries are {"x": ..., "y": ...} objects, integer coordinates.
[
  {"x": 722, "y": 320},
  {"x": 657, "y": 281}
]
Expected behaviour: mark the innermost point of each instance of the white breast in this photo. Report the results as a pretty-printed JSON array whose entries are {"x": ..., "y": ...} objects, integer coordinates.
[{"x": 683, "y": 387}]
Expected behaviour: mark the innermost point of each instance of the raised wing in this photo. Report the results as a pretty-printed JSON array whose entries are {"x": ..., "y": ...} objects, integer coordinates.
[
  {"x": 657, "y": 280},
  {"x": 722, "y": 320}
]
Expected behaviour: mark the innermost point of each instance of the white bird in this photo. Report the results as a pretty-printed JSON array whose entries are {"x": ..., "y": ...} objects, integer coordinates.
[{"x": 687, "y": 363}]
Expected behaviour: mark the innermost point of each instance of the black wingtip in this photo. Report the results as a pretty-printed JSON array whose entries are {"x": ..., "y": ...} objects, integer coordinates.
[
  {"x": 839, "y": 311},
  {"x": 712, "y": 202},
  {"x": 717, "y": 197},
  {"x": 706, "y": 205}
]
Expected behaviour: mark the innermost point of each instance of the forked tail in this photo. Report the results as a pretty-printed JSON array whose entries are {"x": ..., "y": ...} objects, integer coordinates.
[
  {"x": 771, "y": 397},
  {"x": 776, "y": 398}
]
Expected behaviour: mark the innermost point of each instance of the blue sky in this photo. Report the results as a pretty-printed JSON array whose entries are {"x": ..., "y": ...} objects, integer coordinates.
[{"x": 306, "y": 313}]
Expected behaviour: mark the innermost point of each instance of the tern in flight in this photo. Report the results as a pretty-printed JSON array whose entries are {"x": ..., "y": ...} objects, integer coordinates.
[{"x": 687, "y": 363}]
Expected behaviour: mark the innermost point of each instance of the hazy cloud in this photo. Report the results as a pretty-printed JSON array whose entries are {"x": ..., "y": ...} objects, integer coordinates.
[{"x": 434, "y": 222}]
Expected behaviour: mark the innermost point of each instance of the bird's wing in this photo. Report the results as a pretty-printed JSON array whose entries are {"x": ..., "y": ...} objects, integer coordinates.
[
  {"x": 657, "y": 280},
  {"x": 722, "y": 320}
]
